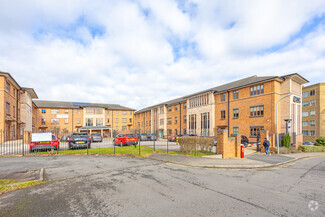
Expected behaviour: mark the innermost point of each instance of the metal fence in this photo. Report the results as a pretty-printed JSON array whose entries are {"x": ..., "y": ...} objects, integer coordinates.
[{"x": 17, "y": 143}]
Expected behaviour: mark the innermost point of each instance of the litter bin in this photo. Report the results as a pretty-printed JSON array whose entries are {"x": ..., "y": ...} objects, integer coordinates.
[{"x": 258, "y": 146}]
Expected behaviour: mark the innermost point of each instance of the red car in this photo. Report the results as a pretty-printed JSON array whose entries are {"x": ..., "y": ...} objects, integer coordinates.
[
  {"x": 126, "y": 139},
  {"x": 44, "y": 145}
]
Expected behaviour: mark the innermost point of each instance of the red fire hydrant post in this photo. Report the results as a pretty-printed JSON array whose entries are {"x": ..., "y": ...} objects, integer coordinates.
[{"x": 242, "y": 153}]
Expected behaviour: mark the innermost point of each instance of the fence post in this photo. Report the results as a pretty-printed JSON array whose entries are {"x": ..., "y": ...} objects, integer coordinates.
[
  {"x": 139, "y": 142},
  {"x": 167, "y": 140},
  {"x": 195, "y": 145},
  {"x": 23, "y": 141},
  {"x": 57, "y": 137},
  {"x": 154, "y": 142}
]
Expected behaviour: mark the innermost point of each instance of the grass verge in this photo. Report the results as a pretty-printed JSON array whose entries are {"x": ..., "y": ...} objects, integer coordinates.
[{"x": 7, "y": 185}]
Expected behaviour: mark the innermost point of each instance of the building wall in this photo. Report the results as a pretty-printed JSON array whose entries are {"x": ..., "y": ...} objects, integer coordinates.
[
  {"x": 9, "y": 122},
  {"x": 26, "y": 111},
  {"x": 318, "y": 108},
  {"x": 176, "y": 113}
]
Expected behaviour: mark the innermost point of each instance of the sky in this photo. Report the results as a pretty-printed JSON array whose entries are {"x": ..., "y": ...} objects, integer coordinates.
[{"x": 138, "y": 53}]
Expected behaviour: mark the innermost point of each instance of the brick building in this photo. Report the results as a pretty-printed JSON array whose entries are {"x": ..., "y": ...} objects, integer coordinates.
[
  {"x": 15, "y": 108},
  {"x": 245, "y": 106},
  {"x": 69, "y": 117},
  {"x": 313, "y": 112}
]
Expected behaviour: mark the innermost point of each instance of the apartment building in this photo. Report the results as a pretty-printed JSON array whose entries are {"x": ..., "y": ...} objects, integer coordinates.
[
  {"x": 68, "y": 117},
  {"x": 313, "y": 112},
  {"x": 245, "y": 106},
  {"x": 15, "y": 108}
]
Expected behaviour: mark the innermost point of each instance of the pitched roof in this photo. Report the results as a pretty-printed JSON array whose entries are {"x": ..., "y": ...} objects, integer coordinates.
[
  {"x": 72, "y": 105},
  {"x": 7, "y": 74}
]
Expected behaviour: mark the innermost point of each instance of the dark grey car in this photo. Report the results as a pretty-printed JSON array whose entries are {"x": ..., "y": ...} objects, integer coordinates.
[{"x": 79, "y": 140}]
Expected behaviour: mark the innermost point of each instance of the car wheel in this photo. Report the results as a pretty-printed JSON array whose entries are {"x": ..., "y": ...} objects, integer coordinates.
[{"x": 31, "y": 151}]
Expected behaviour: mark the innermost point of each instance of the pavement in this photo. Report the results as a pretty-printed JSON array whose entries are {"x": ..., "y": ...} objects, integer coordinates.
[
  {"x": 251, "y": 161},
  {"x": 123, "y": 186}
]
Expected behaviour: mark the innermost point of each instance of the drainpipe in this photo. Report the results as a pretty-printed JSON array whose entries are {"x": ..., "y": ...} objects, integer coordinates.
[
  {"x": 17, "y": 128},
  {"x": 228, "y": 114}
]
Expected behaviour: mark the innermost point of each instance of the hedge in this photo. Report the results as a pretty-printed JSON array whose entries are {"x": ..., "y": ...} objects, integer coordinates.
[
  {"x": 308, "y": 148},
  {"x": 187, "y": 144}
]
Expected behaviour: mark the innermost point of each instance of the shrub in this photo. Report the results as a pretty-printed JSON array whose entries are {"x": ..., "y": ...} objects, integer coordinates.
[
  {"x": 286, "y": 141},
  {"x": 320, "y": 141},
  {"x": 187, "y": 144},
  {"x": 308, "y": 148}
]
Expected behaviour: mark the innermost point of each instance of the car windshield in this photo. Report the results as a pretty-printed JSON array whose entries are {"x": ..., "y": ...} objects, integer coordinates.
[
  {"x": 131, "y": 135},
  {"x": 96, "y": 134},
  {"x": 120, "y": 135},
  {"x": 79, "y": 135}
]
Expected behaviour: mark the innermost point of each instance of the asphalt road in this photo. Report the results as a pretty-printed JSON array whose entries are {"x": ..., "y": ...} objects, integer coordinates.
[{"x": 121, "y": 186}]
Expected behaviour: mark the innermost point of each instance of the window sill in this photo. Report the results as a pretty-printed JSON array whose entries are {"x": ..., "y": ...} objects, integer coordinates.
[
  {"x": 234, "y": 118},
  {"x": 222, "y": 118},
  {"x": 256, "y": 116}
]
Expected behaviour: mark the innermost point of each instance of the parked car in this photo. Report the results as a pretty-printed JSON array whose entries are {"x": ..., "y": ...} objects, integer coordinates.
[
  {"x": 174, "y": 138},
  {"x": 96, "y": 137},
  {"x": 143, "y": 137},
  {"x": 308, "y": 143},
  {"x": 79, "y": 140},
  {"x": 44, "y": 145},
  {"x": 126, "y": 139},
  {"x": 244, "y": 140},
  {"x": 151, "y": 137},
  {"x": 65, "y": 138}
]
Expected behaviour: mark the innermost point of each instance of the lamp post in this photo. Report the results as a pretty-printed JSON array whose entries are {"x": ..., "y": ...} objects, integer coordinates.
[{"x": 276, "y": 112}]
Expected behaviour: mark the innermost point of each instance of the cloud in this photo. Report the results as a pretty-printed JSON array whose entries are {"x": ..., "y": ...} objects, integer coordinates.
[{"x": 140, "y": 53}]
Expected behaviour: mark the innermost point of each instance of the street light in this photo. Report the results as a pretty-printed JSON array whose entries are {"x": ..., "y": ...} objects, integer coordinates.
[{"x": 276, "y": 112}]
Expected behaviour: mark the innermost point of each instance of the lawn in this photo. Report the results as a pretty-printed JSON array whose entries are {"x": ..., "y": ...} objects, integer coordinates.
[
  {"x": 126, "y": 150},
  {"x": 11, "y": 184}
]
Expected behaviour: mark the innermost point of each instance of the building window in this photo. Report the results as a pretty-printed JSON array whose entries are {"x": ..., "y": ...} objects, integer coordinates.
[
  {"x": 305, "y": 94},
  {"x": 312, "y": 92},
  {"x": 305, "y": 132},
  {"x": 192, "y": 124},
  {"x": 312, "y": 113},
  {"x": 124, "y": 120},
  {"x": 304, "y": 104},
  {"x": 184, "y": 106},
  {"x": 89, "y": 122},
  {"x": 223, "y": 97},
  {"x": 116, "y": 127},
  {"x": 78, "y": 112},
  {"x": 199, "y": 100},
  {"x": 312, "y": 123},
  {"x": 124, "y": 113},
  {"x": 13, "y": 109},
  {"x": 305, "y": 114},
  {"x": 55, "y": 121},
  {"x": 312, "y": 133},
  {"x": 8, "y": 87},
  {"x": 123, "y": 127},
  {"x": 223, "y": 114},
  {"x": 66, "y": 112},
  {"x": 184, "y": 119},
  {"x": 78, "y": 120},
  {"x": 257, "y": 111},
  {"x": 236, "y": 130},
  {"x": 130, "y": 120},
  {"x": 169, "y": 121},
  {"x": 66, "y": 120},
  {"x": 7, "y": 108},
  {"x": 175, "y": 120},
  {"x": 176, "y": 132},
  {"x": 116, "y": 120},
  {"x": 99, "y": 121},
  {"x": 43, "y": 111},
  {"x": 236, "y": 94},
  {"x": 169, "y": 131},
  {"x": 130, "y": 113},
  {"x": 205, "y": 124},
  {"x": 161, "y": 121},
  {"x": 312, "y": 102},
  {"x": 150, "y": 123},
  {"x": 176, "y": 108},
  {"x": 257, "y": 90},
  {"x": 161, "y": 109},
  {"x": 116, "y": 112},
  {"x": 43, "y": 121},
  {"x": 305, "y": 123},
  {"x": 138, "y": 124},
  {"x": 236, "y": 113},
  {"x": 169, "y": 109},
  {"x": 184, "y": 131},
  {"x": 54, "y": 111},
  {"x": 107, "y": 120},
  {"x": 256, "y": 130}
]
